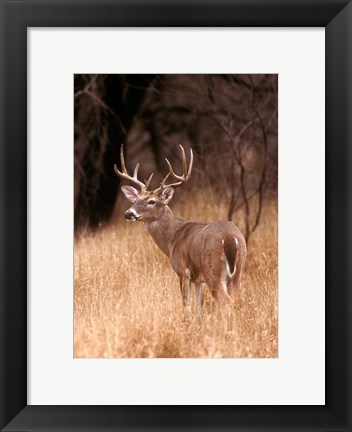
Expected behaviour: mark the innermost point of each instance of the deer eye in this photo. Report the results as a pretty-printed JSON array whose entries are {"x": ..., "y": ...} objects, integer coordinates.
[{"x": 151, "y": 202}]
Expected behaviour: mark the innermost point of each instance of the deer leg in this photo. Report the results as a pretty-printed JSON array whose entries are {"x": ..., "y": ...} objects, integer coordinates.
[
  {"x": 224, "y": 300},
  {"x": 185, "y": 286},
  {"x": 199, "y": 298},
  {"x": 234, "y": 284},
  {"x": 219, "y": 292},
  {"x": 218, "y": 289}
]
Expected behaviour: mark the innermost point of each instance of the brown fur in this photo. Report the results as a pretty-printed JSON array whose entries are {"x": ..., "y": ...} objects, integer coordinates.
[{"x": 197, "y": 250}]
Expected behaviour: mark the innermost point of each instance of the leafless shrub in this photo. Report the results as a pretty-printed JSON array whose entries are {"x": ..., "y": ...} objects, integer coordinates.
[{"x": 230, "y": 121}]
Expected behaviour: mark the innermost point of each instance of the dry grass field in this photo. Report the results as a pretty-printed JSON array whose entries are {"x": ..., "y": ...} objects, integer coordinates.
[{"x": 127, "y": 301}]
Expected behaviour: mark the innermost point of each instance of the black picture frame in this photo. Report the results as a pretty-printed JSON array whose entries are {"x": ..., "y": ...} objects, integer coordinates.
[{"x": 16, "y": 17}]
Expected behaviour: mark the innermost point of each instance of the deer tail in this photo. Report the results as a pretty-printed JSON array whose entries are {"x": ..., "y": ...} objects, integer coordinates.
[{"x": 230, "y": 245}]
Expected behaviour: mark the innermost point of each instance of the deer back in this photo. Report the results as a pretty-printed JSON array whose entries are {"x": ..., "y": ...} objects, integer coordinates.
[{"x": 201, "y": 249}]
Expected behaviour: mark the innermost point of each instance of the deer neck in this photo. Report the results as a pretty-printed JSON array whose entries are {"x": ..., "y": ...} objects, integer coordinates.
[{"x": 162, "y": 230}]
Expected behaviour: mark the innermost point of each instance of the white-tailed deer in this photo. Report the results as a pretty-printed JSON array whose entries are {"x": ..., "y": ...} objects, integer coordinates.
[{"x": 212, "y": 253}]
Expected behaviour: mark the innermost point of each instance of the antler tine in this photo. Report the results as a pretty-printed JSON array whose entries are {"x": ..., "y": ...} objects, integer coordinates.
[
  {"x": 162, "y": 184},
  {"x": 122, "y": 158},
  {"x": 190, "y": 165},
  {"x": 124, "y": 174},
  {"x": 185, "y": 175},
  {"x": 147, "y": 183},
  {"x": 184, "y": 164},
  {"x": 135, "y": 171}
]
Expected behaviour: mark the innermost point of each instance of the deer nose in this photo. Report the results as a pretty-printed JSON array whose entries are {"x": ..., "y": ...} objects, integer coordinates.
[{"x": 131, "y": 215}]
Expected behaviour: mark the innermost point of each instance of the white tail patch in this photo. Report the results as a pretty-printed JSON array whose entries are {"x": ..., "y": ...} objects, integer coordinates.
[
  {"x": 227, "y": 265},
  {"x": 228, "y": 271}
]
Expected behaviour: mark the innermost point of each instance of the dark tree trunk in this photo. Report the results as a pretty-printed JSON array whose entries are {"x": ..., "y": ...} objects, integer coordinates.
[{"x": 121, "y": 100}]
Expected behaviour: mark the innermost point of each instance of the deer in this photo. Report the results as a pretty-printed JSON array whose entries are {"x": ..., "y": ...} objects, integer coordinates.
[{"x": 200, "y": 253}]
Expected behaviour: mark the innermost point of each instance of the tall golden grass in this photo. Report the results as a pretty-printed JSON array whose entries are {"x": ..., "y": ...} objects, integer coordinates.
[{"x": 127, "y": 301}]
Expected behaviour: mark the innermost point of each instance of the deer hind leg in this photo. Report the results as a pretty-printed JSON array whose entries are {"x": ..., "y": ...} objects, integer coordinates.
[
  {"x": 218, "y": 289},
  {"x": 199, "y": 298},
  {"x": 224, "y": 301},
  {"x": 234, "y": 284},
  {"x": 185, "y": 287}
]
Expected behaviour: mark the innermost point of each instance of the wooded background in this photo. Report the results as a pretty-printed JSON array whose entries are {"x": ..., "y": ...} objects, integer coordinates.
[{"x": 230, "y": 121}]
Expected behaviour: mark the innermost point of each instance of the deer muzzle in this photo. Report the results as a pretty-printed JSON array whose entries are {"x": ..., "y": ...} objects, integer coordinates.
[{"x": 131, "y": 215}]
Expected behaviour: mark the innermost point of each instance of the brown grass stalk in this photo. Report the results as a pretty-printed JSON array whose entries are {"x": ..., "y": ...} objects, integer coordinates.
[{"x": 127, "y": 301}]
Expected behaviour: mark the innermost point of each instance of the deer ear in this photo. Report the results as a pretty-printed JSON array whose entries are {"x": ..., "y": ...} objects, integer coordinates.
[
  {"x": 167, "y": 194},
  {"x": 130, "y": 193}
]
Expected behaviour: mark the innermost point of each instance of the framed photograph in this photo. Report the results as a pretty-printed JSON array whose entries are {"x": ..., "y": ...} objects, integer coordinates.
[
  {"x": 228, "y": 128},
  {"x": 223, "y": 131}
]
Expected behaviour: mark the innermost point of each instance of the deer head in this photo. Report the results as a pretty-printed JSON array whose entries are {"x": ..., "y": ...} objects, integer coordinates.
[
  {"x": 149, "y": 205},
  {"x": 200, "y": 253}
]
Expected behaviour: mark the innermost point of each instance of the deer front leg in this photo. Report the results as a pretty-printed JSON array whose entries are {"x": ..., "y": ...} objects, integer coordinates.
[
  {"x": 199, "y": 298},
  {"x": 185, "y": 286}
]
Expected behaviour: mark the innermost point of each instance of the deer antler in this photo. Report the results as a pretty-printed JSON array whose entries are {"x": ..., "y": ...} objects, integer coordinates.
[
  {"x": 186, "y": 174},
  {"x": 124, "y": 174}
]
